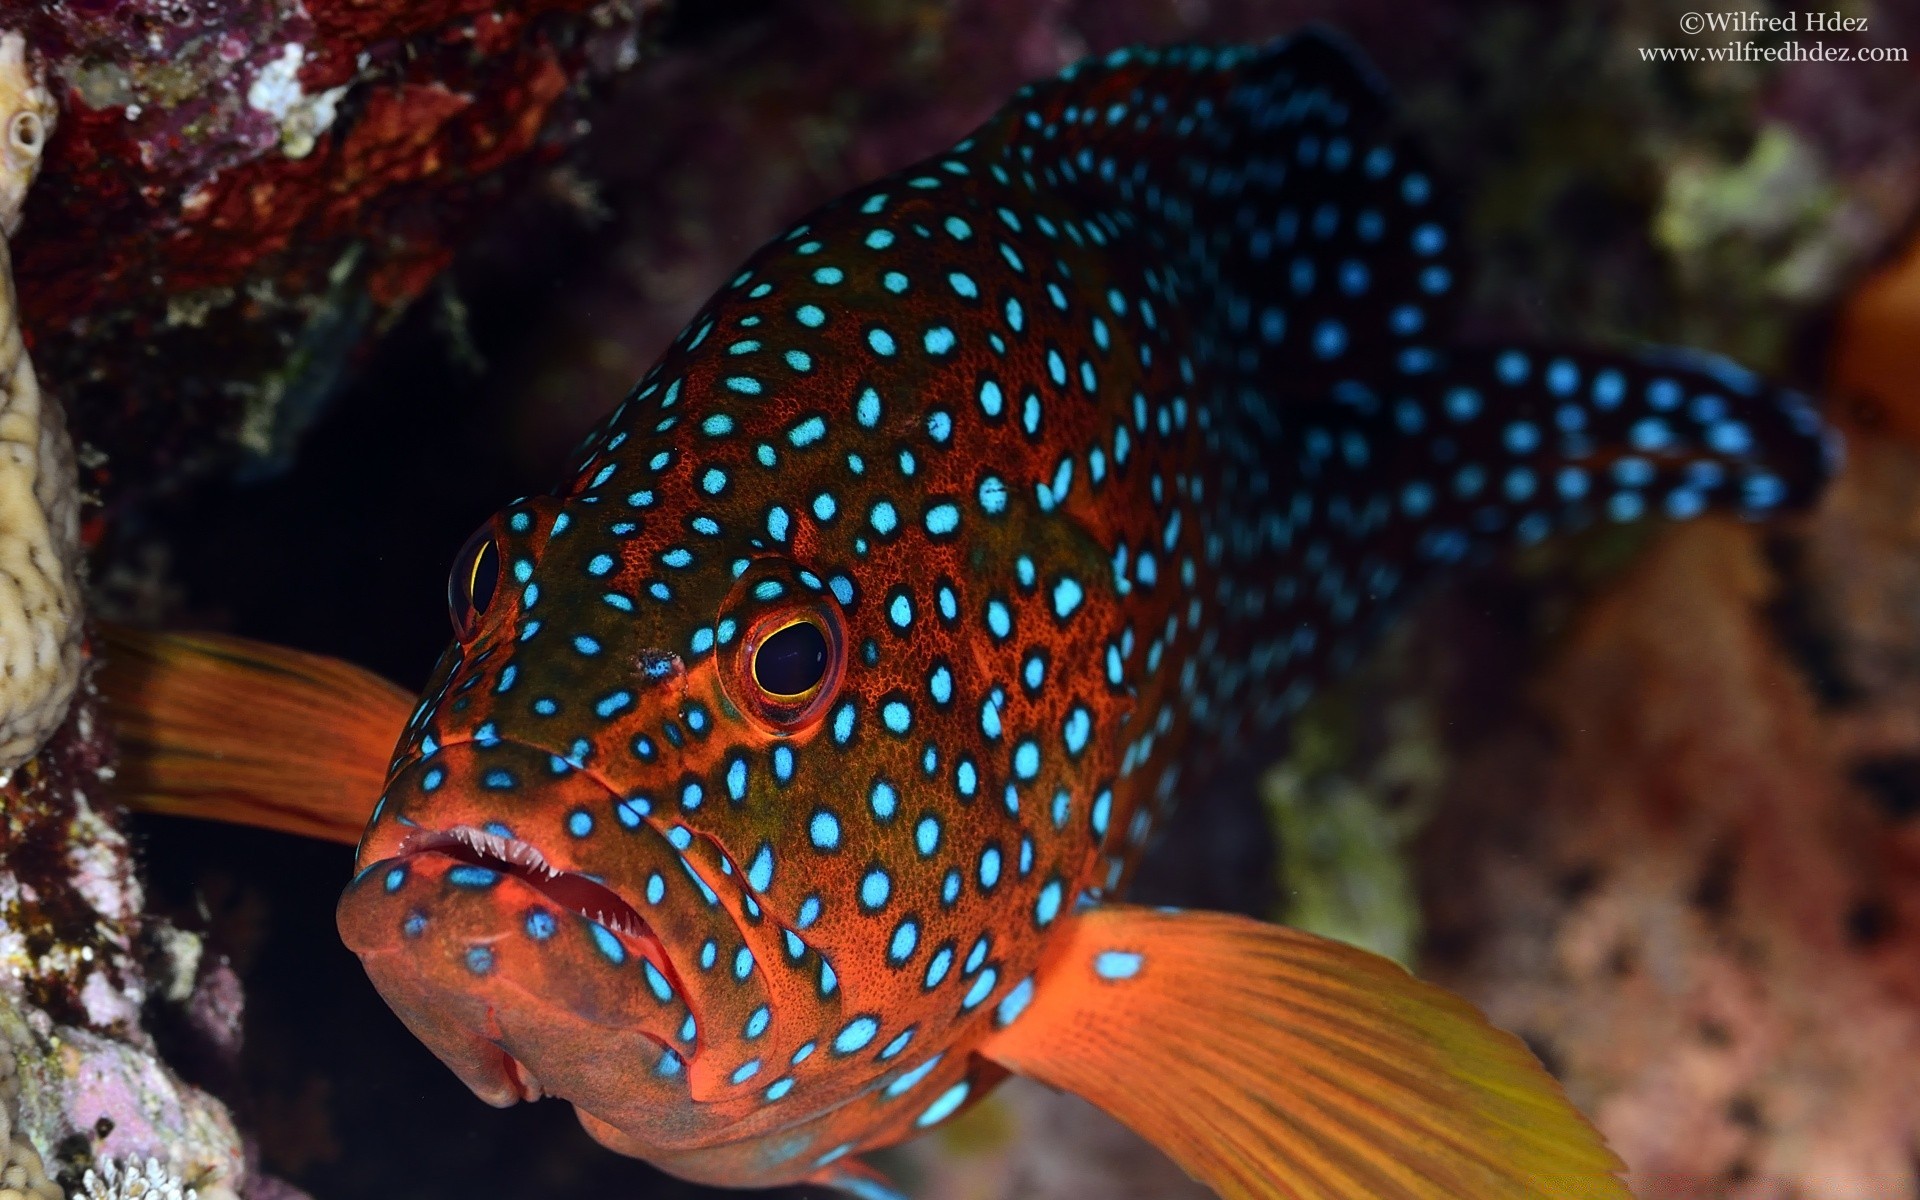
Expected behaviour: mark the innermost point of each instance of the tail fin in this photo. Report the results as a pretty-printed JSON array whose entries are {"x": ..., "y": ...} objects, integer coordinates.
[
  {"x": 236, "y": 730},
  {"x": 1491, "y": 444},
  {"x": 1272, "y": 1064}
]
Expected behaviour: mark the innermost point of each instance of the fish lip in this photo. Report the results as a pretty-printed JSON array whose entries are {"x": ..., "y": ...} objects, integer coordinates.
[{"x": 572, "y": 890}]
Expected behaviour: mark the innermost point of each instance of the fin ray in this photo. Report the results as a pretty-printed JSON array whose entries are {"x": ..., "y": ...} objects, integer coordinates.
[
  {"x": 230, "y": 729},
  {"x": 1288, "y": 1067}
]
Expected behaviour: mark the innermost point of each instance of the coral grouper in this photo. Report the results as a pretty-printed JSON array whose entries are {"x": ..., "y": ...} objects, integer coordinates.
[{"x": 775, "y": 798}]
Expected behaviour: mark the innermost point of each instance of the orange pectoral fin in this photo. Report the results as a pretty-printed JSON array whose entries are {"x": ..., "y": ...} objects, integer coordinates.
[
  {"x": 1274, "y": 1064},
  {"x": 236, "y": 730}
]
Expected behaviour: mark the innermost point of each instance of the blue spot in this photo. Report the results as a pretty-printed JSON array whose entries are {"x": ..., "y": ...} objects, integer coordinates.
[
  {"x": 1047, "y": 907},
  {"x": 467, "y": 876},
  {"x": 1026, "y": 759},
  {"x": 938, "y": 967},
  {"x": 579, "y": 823},
  {"x": 943, "y": 519},
  {"x": 898, "y": 1044},
  {"x": 981, "y": 989},
  {"x": 1067, "y": 595},
  {"x": 479, "y": 960},
  {"x": 989, "y": 867},
  {"x": 939, "y": 340},
  {"x": 1114, "y": 965},
  {"x": 608, "y": 945},
  {"x": 540, "y": 924},
  {"x": 747, "y": 1070},
  {"x": 944, "y": 1106},
  {"x": 881, "y": 341},
  {"x": 926, "y": 836},
  {"x": 1079, "y": 725},
  {"x": 907, "y": 1081},
  {"x": 875, "y": 888},
  {"x": 856, "y": 1035},
  {"x": 897, "y": 716}
]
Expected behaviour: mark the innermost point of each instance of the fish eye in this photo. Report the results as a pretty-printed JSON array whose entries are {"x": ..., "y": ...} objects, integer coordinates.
[
  {"x": 791, "y": 661},
  {"x": 475, "y": 579},
  {"x": 786, "y": 668}
]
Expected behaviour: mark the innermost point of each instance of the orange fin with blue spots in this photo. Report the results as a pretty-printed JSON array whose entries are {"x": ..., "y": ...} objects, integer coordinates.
[
  {"x": 1273, "y": 1064},
  {"x": 237, "y": 730}
]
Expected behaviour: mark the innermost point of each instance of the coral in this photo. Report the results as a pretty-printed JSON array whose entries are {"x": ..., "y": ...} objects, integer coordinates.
[
  {"x": 22, "y": 1174},
  {"x": 39, "y": 493},
  {"x": 1343, "y": 833},
  {"x": 245, "y": 194},
  {"x": 1876, "y": 356},
  {"x": 79, "y": 966},
  {"x": 153, "y": 1182}
]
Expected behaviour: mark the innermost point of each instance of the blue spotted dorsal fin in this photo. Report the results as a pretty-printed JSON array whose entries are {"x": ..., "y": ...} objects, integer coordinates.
[
  {"x": 1270, "y": 1063},
  {"x": 1317, "y": 232}
]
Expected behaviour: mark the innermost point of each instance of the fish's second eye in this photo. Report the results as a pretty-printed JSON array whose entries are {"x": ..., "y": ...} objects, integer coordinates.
[
  {"x": 791, "y": 661},
  {"x": 475, "y": 579}
]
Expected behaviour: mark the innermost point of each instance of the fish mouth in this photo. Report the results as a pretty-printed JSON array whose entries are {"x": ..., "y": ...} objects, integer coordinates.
[{"x": 571, "y": 890}]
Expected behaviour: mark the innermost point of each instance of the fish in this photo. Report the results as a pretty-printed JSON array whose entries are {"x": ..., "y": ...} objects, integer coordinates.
[{"x": 778, "y": 794}]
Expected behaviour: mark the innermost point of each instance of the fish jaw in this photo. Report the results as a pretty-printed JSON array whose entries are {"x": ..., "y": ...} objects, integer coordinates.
[{"x": 515, "y": 955}]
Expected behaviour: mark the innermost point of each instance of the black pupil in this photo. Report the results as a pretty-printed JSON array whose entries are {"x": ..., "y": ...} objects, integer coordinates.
[
  {"x": 476, "y": 575},
  {"x": 792, "y": 660}
]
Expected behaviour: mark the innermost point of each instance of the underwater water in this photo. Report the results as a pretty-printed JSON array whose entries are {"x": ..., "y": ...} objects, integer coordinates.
[{"x": 1649, "y": 794}]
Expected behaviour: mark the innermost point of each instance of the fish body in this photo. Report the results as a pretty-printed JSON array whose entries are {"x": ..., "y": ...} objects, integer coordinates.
[{"x": 775, "y": 798}]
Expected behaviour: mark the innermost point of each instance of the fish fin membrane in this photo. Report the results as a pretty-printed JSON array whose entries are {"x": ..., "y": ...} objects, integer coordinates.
[
  {"x": 1276, "y": 1065},
  {"x": 235, "y": 730},
  {"x": 1323, "y": 218}
]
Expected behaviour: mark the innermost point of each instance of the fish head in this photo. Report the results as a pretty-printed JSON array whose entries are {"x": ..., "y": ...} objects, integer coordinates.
[{"x": 671, "y": 834}]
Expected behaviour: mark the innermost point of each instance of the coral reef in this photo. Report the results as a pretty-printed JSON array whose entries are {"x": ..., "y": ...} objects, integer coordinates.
[
  {"x": 81, "y": 967},
  {"x": 244, "y": 194}
]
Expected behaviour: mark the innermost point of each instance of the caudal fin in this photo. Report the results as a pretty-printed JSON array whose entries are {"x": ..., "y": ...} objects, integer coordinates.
[
  {"x": 1274, "y": 1065},
  {"x": 236, "y": 730}
]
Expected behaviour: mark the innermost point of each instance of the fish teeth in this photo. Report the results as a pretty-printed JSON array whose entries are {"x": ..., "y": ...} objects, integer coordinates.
[{"x": 506, "y": 849}]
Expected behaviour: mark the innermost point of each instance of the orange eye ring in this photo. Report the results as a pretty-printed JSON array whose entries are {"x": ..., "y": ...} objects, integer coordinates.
[{"x": 473, "y": 582}]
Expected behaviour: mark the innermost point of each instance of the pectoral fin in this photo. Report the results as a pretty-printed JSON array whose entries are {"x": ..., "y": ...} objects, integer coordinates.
[
  {"x": 236, "y": 730},
  {"x": 1273, "y": 1064}
]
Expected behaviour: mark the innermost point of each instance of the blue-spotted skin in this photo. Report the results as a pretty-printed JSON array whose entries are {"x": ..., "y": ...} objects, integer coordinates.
[{"x": 1105, "y": 436}]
